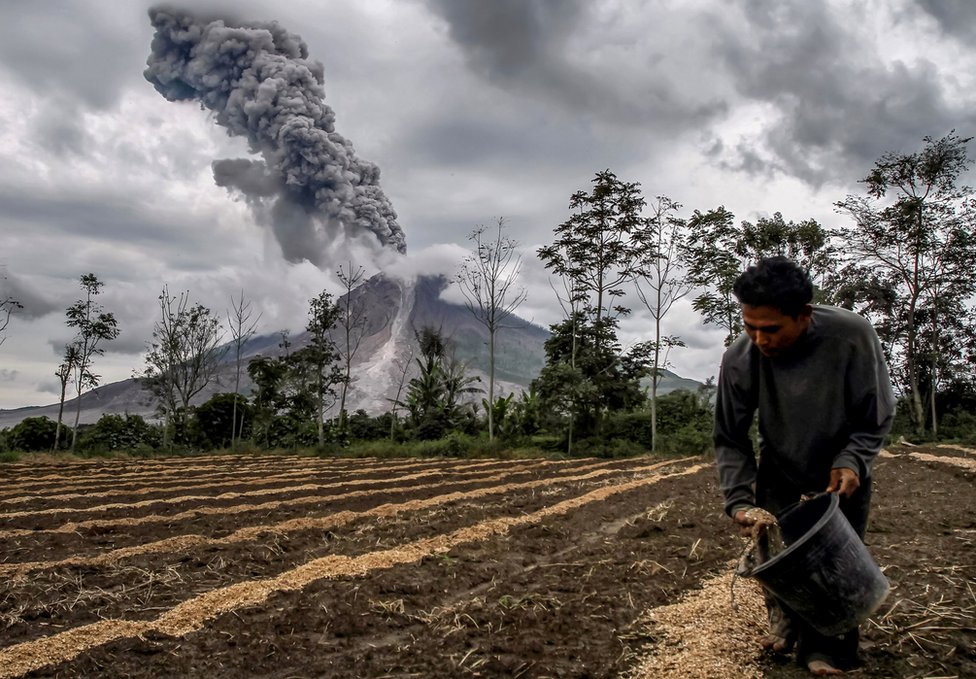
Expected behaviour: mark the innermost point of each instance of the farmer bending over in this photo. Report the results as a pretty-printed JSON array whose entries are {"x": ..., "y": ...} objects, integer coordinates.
[{"x": 817, "y": 377}]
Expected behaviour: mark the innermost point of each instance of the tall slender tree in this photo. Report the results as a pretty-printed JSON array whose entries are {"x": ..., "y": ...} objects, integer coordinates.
[
  {"x": 487, "y": 279},
  {"x": 64, "y": 373},
  {"x": 242, "y": 329},
  {"x": 317, "y": 362},
  {"x": 596, "y": 253},
  {"x": 93, "y": 325},
  {"x": 660, "y": 283},
  {"x": 352, "y": 321},
  {"x": 598, "y": 246}
]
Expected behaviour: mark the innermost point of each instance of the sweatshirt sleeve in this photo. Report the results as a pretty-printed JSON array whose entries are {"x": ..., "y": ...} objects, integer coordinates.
[
  {"x": 872, "y": 407},
  {"x": 735, "y": 457}
]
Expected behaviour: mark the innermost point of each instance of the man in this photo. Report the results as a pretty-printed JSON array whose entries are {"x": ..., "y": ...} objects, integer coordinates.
[{"x": 817, "y": 377}]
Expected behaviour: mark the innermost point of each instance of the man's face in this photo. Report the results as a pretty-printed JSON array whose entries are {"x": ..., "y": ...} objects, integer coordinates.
[{"x": 771, "y": 330}]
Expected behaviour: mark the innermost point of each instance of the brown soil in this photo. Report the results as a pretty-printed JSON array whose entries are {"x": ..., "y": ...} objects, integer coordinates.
[{"x": 445, "y": 568}]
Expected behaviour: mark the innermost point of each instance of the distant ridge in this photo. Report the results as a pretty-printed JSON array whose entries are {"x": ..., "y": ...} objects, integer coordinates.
[{"x": 395, "y": 310}]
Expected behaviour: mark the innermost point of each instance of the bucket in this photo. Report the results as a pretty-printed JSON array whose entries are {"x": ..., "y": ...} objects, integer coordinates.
[{"x": 825, "y": 574}]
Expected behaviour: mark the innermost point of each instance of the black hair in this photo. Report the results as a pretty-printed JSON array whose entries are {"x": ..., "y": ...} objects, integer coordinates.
[{"x": 777, "y": 282}]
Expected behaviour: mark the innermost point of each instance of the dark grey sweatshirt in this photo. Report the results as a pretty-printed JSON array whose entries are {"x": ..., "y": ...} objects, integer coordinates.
[{"x": 826, "y": 402}]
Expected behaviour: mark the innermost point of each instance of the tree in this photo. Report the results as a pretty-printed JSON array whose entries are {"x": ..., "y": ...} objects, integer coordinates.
[
  {"x": 352, "y": 321},
  {"x": 242, "y": 329},
  {"x": 64, "y": 373},
  {"x": 598, "y": 247},
  {"x": 717, "y": 251},
  {"x": 93, "y": 325},
  {"x": 597, "y": 251},
  {"x": 31, "y": 434},
  {"x": 909, "y": 260},
  {"x": 221, "y": 418},
  {"x": 601, "y": 379},
  {"x": 182, "y": 358},
  {"x": 119, "y": 432},
  {"x": 316, "y": 364},
  {"x": 660, "y": 283},
  {"x": 486, "y": 279},
  {"x": 434, "y": 398}
]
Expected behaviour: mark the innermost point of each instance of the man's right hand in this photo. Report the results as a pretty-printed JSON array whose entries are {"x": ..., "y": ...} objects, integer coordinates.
[{"x": 750, "y": 521}]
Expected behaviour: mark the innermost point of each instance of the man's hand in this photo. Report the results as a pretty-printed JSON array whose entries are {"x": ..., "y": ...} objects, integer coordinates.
[
  {"x": 750, "y": 521},
  {"x": 843, "y": 481}
]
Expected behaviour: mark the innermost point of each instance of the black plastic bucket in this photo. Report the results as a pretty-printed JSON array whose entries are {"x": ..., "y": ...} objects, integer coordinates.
[{"x": 825, "y": 574}]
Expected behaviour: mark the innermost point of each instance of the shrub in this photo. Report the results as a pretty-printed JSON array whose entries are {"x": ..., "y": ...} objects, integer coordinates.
[
  {"x": 32, "y": 434},
  {"x": 113, "y": 433}
]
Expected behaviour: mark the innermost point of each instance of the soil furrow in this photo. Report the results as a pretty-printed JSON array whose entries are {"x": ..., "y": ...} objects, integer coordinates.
[
  {"x": 192, "y": 615},
  {"x": 183, "y": 543}
]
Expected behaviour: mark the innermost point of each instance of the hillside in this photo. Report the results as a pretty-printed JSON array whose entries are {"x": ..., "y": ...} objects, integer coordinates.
[{"x": 395, "y": 310}]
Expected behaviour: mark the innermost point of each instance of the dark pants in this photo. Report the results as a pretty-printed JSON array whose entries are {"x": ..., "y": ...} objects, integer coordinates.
[{"x": 776, "y": 493}]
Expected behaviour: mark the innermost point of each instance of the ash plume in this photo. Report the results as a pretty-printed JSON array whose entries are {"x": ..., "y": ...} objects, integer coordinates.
[{"x": 311, "y": 188}]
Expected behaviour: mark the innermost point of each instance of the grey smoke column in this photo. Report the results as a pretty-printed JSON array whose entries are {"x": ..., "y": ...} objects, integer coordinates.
[{"x": 258, "y": 80}]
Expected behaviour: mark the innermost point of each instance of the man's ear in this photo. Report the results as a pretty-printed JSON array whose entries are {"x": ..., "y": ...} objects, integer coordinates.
[{"x": 807, "y": 311}]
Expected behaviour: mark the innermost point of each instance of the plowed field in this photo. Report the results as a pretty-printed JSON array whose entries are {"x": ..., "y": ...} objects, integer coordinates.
[{"x": 304, "y": 567}]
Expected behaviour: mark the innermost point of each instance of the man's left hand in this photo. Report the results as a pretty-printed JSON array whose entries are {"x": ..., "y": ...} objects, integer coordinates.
[{"x": 843, "y": 481}]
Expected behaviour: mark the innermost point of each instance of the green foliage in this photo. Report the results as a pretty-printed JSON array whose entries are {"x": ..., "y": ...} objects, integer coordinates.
[
  {"x": 113, "y": 433},
  {"x": 717, "y": 251},
  {"x": 214, "y": 425},
  {"x": 315, "y": 367},
  {"x": 93, "y": 325},
  {"x": 908, "y": 267},
  {"x": 598, "y": 248},
  {"x": 587, "y": 376},
  {"x": 435, "y": 398},
  {"x": 32, "y": 434},
  {"x": 684, "y": 428},
  {"x": 363, "y": 427},
  {"x": 182, "y": 358}
]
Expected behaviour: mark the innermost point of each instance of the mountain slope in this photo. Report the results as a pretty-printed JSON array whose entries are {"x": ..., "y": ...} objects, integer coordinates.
[{"x": 395, "y": 311}]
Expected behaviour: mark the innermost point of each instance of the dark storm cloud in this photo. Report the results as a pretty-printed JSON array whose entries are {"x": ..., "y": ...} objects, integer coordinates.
[
  {"x": 840, "y": 104},
  {"x": 109, "y": 218},
  {"x": 35, "y": 304},
  {"x": 538, "y": 48},
  {"x": 955, "y": 17},
  {"x": 71, "y": 50},
  {"x": 260, "y": 83}
]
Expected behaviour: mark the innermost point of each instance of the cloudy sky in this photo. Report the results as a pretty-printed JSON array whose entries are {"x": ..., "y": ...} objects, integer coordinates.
[{"x": 471, "y": 110}]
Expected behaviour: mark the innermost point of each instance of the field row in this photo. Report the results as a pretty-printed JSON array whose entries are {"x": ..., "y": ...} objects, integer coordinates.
[{"x": 428, "y": 568}]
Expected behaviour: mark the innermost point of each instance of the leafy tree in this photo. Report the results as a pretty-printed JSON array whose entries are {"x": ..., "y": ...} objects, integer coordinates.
[
  {"x": 363, "y": 427},
  {"x": 659, "y": 284},
  {"x": 598, "y": 248},
  {"x": 31, "y": 434},
  {"x": 486, "y": 279},
  {"x": 182, "y": 358},
  {"x": 316, "y": 364},
  {"x": 909, "y": 260},
  {"x": 435, "y": 397},
  {"x": 602, "y": 378},
  {"x": 597, "y": 252},
  {"x": 93, "y": 325},
  {"x": 242, "y": 329},
  {"x": 717, "y": 251},
  {"x": 268, "y": 395},
  {"x": 221, "y": 419}
]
